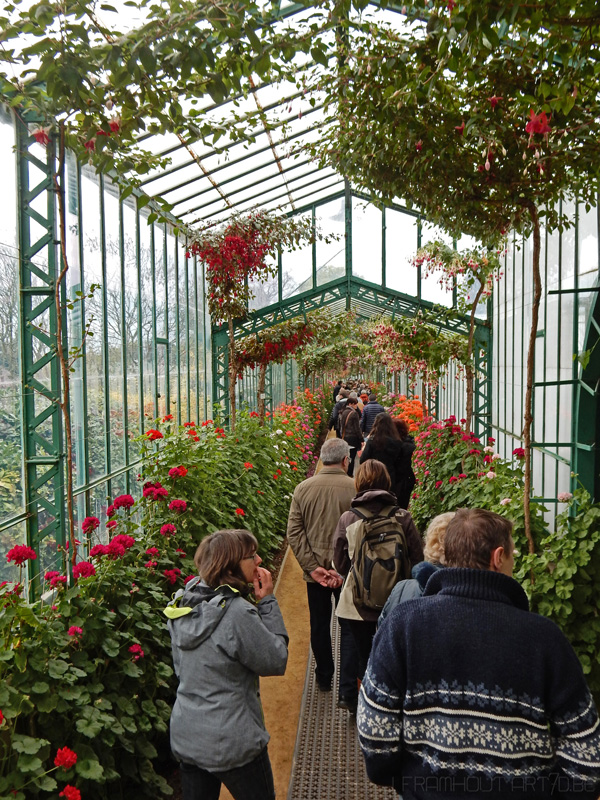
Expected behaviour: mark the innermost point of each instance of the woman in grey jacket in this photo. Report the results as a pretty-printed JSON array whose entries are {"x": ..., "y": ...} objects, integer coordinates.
[{"x": 222, "y": 642}]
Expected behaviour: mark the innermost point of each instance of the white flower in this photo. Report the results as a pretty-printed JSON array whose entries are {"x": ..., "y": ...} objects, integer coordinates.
[
  {"x": 488, "y": 449},
  {"x": 564, "y": 497},
  {"x": 276, "y": 447},
  {"x": 496, "y": 456},
  {"x": 279, "y": 431},
  {"x": 505, "y": 501},
  {"x": 490, "y": 475}
]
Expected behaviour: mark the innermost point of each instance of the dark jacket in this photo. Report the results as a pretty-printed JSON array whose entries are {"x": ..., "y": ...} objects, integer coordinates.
[
  {"x": 370, "y": 411},
  {"x": 465, "y": 687},
  {"x": 396, "y": 454},
  {"x": 373, "y": 501},
  {"x": 409, "y": 589},
  {"x": 349, "y": 426},
  {"x": 336, "y": 391},
  {"x": 335, "y": 412}
]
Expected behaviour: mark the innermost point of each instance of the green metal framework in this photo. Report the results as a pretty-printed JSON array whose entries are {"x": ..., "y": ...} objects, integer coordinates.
[{"x": 42, "y": 430}]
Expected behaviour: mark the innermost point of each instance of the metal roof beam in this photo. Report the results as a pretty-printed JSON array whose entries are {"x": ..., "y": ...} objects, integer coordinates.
[
  {"x": 220, "y": 151},
  {"x": 243, "y": 175},
  {"x": 270, "y": 200},
  {"x": 245, "y": 188}
]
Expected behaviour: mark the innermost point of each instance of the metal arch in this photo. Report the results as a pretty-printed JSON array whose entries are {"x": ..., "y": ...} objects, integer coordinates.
[
  {"x": 376, "y": 298},
  {"x": 42, "y": 429}
]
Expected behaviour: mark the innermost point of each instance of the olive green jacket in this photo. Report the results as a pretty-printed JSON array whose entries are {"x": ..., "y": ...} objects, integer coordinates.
[{"x": 317, "y": 505}]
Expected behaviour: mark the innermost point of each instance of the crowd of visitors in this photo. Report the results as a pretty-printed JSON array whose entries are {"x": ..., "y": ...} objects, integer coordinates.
[{"x": 458, "y": 689}]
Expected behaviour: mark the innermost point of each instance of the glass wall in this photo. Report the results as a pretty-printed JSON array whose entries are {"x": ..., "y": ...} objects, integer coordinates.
[{"x": 569, "y": 267}]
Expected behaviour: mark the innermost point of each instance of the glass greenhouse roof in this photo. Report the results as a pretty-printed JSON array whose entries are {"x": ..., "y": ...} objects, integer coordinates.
[{"x": 261, "y": 156}]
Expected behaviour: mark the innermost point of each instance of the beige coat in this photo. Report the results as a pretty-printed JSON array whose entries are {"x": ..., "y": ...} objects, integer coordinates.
[{"x": 317, "y": 505}]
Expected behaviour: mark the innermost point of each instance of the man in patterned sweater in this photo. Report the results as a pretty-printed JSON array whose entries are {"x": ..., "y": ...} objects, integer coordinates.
[{"x": 468, "y": 694}]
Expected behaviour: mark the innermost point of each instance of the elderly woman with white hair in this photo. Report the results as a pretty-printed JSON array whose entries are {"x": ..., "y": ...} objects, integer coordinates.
[{"x": 433, "y": 551}]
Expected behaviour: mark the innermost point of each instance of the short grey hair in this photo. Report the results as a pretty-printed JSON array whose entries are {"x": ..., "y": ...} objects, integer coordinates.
[{"x": 334, "y": 451}]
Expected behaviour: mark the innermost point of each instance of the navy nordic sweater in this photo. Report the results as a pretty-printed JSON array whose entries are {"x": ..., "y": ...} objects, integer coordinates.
[{"x": 468, "y": 694}]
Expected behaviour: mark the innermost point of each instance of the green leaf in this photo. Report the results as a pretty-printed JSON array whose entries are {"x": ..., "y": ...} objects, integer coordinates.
[
  {"x": 57, "y": 668},
  {"x": 28, "y": 763},
  {"x": 28, "y": 744},
  {"x": 89, "y": 768},
  {"x": 147, "y": 58}
]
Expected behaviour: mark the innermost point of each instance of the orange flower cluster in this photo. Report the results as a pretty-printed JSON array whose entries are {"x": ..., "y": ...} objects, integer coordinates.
[{"x": 409, "y": 410}]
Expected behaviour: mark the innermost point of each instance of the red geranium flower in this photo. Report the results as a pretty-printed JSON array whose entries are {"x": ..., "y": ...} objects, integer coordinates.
[
  {"x": 172, "y": 574},
  {"x": 167, "y": 529},
  {"x": 74, "y": 630},
  {"x": 168, "y": 418},
  {"x": 248, "y": 465},
  {"x": 123, "y": 501},
  {"x": 20, "y": 553},
  {"x": 179, "y": 506},
  {"x": 70, "y": 793},
  {"x": 65, "y": 758},
  {"x": 85, "y": 569},
  {"x": 519, "y": 452},
  {"x": 153, "y": 434},
  {"x": 240, "y": 512},
  {"x": 55, "y": 579},
  {"x": 137, "y": 651},
  {"x": 90, "y": 524}
]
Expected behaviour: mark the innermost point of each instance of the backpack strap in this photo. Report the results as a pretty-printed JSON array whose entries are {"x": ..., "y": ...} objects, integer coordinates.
[{"x": 366, "y": 514}]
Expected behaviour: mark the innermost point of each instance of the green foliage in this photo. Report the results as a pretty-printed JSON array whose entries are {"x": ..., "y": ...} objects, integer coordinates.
[
  {"x": 561, "y": 580},
  {"x": 454, "y": 469},
  {"x": 68, "y": 674}
]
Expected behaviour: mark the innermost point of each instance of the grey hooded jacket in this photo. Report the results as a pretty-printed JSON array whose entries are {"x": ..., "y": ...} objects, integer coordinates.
[{"x": 221, "y": 643}]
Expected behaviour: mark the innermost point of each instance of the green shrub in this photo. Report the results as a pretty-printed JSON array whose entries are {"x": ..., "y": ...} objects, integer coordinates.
[{"x": 89, "y": 666}]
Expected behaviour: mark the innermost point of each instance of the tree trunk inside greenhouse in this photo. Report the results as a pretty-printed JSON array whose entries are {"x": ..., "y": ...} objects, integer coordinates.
[
  {"x": 424, "y": 399},
  {"x": 260, "y": 394},
  {"x": 232, "y": 374},
  {"x": 469, "y": 371},
  {"x": 535, "y": 306},
  {"x": 65, "y": 404}
]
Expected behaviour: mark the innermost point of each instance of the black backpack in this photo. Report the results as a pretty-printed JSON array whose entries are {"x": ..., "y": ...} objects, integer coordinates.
[{"x": 380, "y": 556}]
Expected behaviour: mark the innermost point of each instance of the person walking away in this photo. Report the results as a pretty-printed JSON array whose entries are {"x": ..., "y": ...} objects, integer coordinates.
[
  {"x": 350, "y": 429},
  {"x": 335, "y": 411},
  {"x": 467, "y": 693},
  {"x": 222, "y": 641},
  {"x": 317, "y": 504},
  {"x": 433, "y": 553},
  {"x": 370, "y": 411},
  {"x": 336, "y": 391},
  {"x": 406, "y": 477},
  {"x": 384, "y": 445},
  {"x": 373, "y": 501}
]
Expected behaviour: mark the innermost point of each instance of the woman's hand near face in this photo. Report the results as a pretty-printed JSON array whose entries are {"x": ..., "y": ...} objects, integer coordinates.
[{"x": 263, "y": 583}]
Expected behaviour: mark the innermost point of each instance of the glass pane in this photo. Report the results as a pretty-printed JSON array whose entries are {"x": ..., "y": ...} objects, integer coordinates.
[
  {"x": 331, "y": 258},
  {"x": 296, "y": 268},
  {"x": 114, "y": 327},
  {"x": 149, "y": 409},
  {"x": 92, "y": 270},
  {"x": 131, "y": 306},
  {"x": 400, "y": 246},
  {"x": 11, "y": 488},
  {"x": 366, "y": 241}
]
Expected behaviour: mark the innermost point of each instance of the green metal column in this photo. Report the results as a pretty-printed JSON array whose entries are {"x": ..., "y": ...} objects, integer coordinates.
[
  {"x": 289, "y": 380},
  {"x": 220, "y": 367},
  {"x": 41, "y": 416}
]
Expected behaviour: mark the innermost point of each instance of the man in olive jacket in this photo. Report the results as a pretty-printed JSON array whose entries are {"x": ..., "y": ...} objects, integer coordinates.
[{"x": 317, "y": 505}]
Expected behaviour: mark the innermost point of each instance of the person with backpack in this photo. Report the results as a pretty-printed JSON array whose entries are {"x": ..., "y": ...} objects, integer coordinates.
[
  {"x": 375, "y": 545},
  {"x": 349, "y": 422},
  {"x": 370, "y": 411}
]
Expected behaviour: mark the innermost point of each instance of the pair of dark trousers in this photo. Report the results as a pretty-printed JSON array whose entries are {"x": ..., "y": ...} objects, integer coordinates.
[
  {"x": 253, "y": 781},
  {"x": 363, "y": 633},
  {"x": 320, "y": 610}
]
